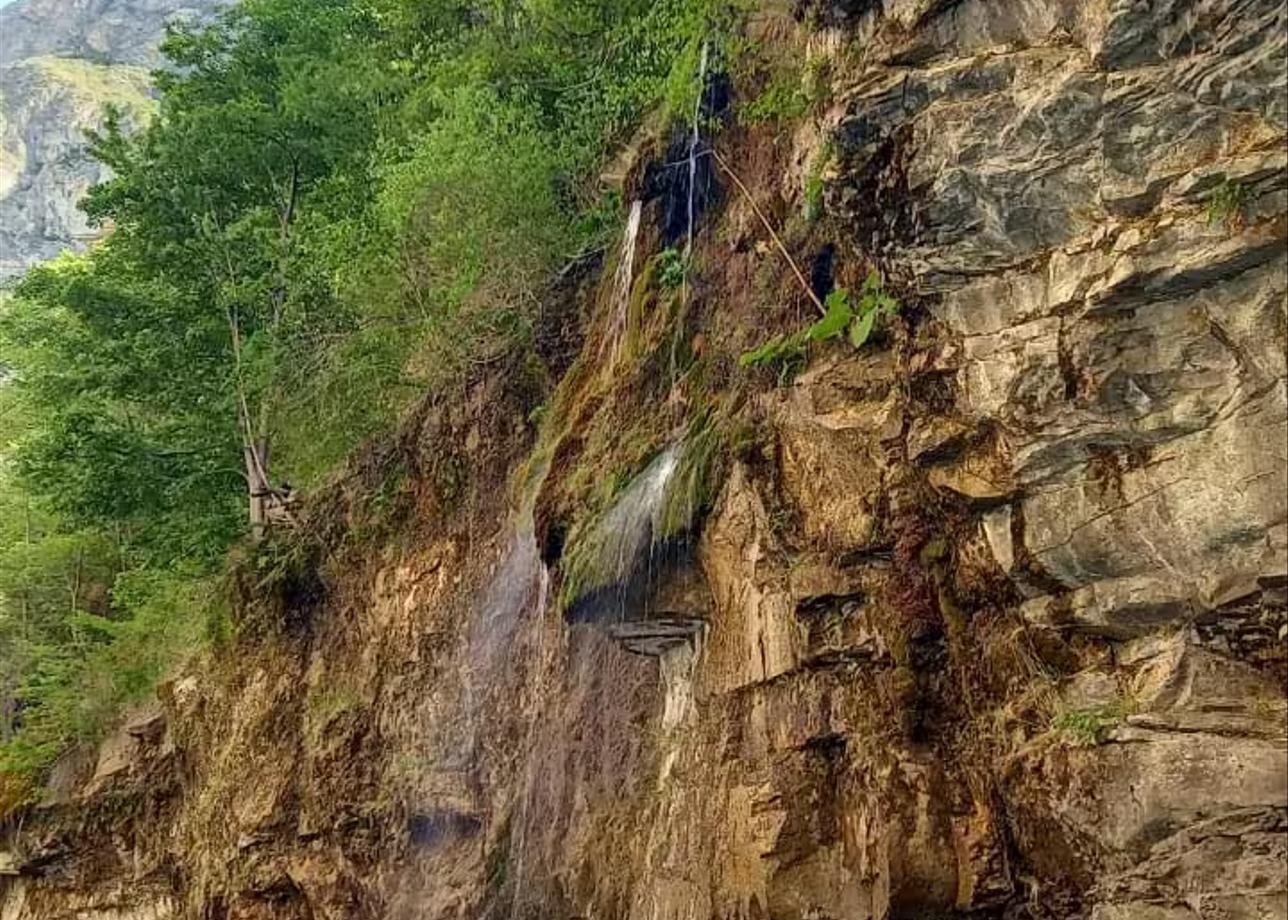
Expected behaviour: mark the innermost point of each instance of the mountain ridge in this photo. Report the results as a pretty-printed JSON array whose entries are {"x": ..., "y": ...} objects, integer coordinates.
[{"x": 60, "y": 62}]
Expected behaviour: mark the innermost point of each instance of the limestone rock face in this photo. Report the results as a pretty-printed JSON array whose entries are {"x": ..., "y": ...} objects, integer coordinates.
[
  {"x": 1125, "y": 342},
  {"x": 61, "y": 61},
  {"x": 994, "y": 616}
]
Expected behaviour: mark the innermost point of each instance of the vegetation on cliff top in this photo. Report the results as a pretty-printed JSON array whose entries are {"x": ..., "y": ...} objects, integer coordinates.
[{"x": 339, "y": 205}]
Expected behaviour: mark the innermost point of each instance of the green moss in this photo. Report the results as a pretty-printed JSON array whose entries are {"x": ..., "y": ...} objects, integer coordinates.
[
  {"x": 1225, "y": 205},
  {"x": 641, "y": 306},
  {"x": 325, "y": 705},
  {"x": 1090, "y": 726},
  {"x": 694, "y": 481},
  {"x": 603, "y": 540}
]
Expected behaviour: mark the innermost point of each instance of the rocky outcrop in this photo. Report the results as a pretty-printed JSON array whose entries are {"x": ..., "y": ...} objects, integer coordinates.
[
  {"x": 61, "y": 62},
  {"x": 990, "y": 614}
]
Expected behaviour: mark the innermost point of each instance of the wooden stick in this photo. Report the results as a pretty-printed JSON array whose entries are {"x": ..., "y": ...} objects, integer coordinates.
[{"x": 774, "y": 236}]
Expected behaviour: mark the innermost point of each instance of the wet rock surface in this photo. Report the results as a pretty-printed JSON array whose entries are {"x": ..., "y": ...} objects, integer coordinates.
[{"x": 990, "y": 622}]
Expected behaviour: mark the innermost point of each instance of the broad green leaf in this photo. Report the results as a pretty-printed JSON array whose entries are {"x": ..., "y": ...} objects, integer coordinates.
[
  {"x": 838, "y": 317},
  {"x": 861, "y": 328}
]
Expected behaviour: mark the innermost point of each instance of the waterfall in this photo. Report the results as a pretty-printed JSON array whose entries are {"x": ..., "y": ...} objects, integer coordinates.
[
  {"x": 517, "y": 594},
  {"x": 520, "y": 584},
  {"x": 615, "y": 564},
  {"x": 695, "y": 139},
  {"x": 635, "y": 523},
  {"x": 625, "y": 275}
]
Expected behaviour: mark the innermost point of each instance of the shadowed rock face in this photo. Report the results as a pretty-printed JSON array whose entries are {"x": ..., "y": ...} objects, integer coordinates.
[
  {"x": 61, "y": 61},
  {"x": 994, "y": 617}
]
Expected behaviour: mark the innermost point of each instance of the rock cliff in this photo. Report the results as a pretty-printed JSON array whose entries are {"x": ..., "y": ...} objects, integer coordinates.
[
  {"x": 61, "y": 61},
  {"x": 984, "y": 618}
]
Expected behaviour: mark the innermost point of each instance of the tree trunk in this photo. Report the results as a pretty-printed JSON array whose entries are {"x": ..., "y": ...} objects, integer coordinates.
[{"x": 259, "y": 486}]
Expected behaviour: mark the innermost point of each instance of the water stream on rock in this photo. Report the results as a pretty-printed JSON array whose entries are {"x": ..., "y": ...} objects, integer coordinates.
[
  {"x": 624, "y": 540},
  {"x": 517, "y": 598},
  {"x": 695, "y": 139},
  {"x": 625, "y": 275},
  {"x": 519, "y": 587}
]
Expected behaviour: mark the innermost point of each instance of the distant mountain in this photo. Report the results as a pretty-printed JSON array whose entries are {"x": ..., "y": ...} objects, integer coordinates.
[{"x": 60, "y": 62}]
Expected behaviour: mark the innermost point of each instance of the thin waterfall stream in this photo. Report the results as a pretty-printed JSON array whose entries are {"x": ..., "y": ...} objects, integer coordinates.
[
  {"x": 622, "y": 281},
  {"x": 695, "y": 139}
]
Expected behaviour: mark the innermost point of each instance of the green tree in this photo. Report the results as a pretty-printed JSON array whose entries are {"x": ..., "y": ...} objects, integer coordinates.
[{"x": 267, "y": 117}]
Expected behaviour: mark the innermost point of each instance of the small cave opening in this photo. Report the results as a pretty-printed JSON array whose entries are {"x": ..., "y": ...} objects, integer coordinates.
[
  {"x": 553, "y": 541},
  {"x": 631, "y": 597},
  {"x": 822, "y": 271}
]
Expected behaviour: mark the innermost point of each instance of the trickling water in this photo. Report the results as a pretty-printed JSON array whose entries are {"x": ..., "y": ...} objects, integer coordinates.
[
  {"x": 525, "y": 791},
  {"x": 627, "y": 533},
  {"x": 520, "y": 584},
  {"x": 694, "y": 139},
  {"x": 622, "y": 280},
  {"x": 516, "y": 597}
]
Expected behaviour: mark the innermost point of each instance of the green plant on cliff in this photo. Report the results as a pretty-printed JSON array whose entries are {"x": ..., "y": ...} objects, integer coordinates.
[
  {"x": 671, "y": 270},
  {"x": 813, "y": 197},
  {"x": 792, "y": 88},
  {"x": 814, "y": 183},
  {"x": 1225, "y": 204},
  {"x": 1089, "y": 726},
  {"x": 784, "y": 98},
  {"x": 856, "y": 320}
]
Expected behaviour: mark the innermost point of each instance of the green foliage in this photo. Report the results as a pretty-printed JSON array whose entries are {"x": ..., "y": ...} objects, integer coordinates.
[
  {"x": 1225, "y": 204},
  {"x": 671, "y": 269},
  {"x": 597, "y": 223},
  {"x": 857, "y": 321},
  {"x": 783, "y": 99},
  {"x": 702, "y": 25},
  {"x": 81, "y": 667},
  {"x": 792, "y": 91},
  {"x": 1090, "y": 726},
  {"x": 124, "y": 388}
]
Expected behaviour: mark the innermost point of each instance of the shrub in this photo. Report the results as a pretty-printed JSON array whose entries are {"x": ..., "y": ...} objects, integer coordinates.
[{"x": 857, "y": 321}]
